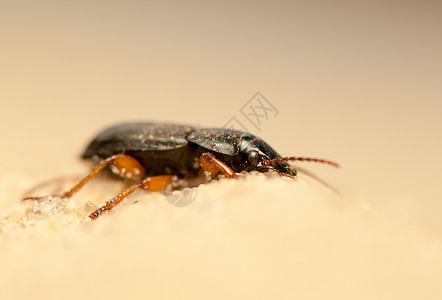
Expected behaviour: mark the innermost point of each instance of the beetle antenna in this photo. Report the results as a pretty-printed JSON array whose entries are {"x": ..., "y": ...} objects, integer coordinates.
[
  {"x": 294, "y": 158},
  {"x": 317, "y": 178}
]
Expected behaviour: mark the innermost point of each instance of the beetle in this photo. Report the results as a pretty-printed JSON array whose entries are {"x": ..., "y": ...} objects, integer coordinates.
[{"x": 152, "y": 153}]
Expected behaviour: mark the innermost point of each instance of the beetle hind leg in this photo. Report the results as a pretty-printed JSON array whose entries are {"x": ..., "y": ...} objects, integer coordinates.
[
  {"x": 124, "y": 165},
  {"x": 155, "y": 183}
]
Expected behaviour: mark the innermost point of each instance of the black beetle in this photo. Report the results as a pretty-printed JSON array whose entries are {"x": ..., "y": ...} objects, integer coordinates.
[{"x": 152, "y": 152}]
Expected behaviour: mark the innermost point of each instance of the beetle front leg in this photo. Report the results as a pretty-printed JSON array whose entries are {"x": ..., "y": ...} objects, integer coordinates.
[
  {"x": 155, "y": 183},
  {"x": 122, "y": 164},
  {"x": 209, "y": 163}
]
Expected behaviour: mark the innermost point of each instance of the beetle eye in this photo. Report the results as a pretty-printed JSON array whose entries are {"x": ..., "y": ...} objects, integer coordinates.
[{"x": 253, "y": 158}]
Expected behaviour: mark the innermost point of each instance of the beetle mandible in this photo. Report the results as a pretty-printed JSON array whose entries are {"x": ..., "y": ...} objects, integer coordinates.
[{"x": 151, "y": 153}]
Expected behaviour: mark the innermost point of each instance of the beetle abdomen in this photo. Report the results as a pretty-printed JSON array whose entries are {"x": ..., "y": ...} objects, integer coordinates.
[
  {"x": 137, "y": 137},
  {"x": 158, "y": 147}
]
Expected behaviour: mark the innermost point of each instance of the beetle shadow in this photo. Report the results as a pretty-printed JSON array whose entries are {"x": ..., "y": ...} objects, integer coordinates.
[{"x": 183, "y": 190}]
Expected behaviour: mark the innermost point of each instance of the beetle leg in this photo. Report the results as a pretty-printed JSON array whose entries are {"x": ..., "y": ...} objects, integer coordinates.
[
  {"x": 125, "y": 165},
  {"x": 209, "y": 163},
  {"x": 155, "y": 183},
  {"x": 287, "y": 175}
]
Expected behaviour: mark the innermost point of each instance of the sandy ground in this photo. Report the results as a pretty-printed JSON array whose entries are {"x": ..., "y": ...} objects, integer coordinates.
[
  {"x": 351, "y": 81},
  {"x": 258, "y": 237}
]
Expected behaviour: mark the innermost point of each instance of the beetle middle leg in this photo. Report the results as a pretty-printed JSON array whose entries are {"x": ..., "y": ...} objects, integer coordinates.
[
  {"x": 155, "y": 183},
  {"x": 123, "y": 164}
]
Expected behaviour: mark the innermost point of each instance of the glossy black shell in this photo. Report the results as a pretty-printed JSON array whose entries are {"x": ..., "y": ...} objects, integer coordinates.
[{"x": 164, "y": 148}]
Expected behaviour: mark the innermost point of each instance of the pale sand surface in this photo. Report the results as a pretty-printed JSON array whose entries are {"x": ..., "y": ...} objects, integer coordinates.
[{"x": 255, "y": 238}]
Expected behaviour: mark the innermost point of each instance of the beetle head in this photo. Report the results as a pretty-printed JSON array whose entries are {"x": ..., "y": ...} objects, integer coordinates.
[{"x": 255, "y": 154}]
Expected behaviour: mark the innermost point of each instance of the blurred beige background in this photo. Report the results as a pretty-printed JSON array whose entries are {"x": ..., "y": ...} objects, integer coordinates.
[{"x": 354, "y": 81}]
